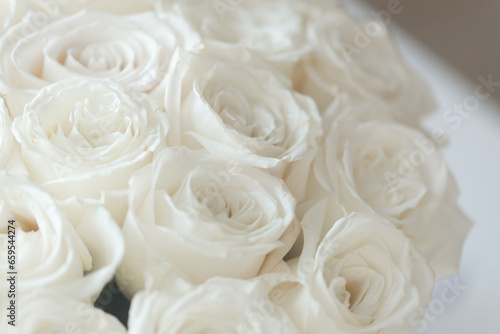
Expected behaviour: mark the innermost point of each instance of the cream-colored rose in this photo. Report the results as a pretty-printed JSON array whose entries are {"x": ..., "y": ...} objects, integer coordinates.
[
  {"x": 360, "y": 58},
  {"x": 48, "y": 251},
  {"x": 81, "y": 140},
  {"x": 364, "y": 276},
  {"x": 397, "y": 172},
  {"x": 239, "y": 108},
  {"x": 221, "y": 305},
  {"x": 274, "y": 29},
  {"x": 43, "y": 313},
  {"x": 192, "y": 217},
  {"x": 132, "y": 50}
]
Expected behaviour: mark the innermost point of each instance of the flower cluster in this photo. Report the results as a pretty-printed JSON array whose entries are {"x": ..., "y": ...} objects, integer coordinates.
[{"x": 235, "y": 166}]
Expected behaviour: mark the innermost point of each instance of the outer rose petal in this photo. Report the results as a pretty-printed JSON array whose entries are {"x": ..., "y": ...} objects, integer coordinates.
[
  {"x": 220, "y": 305},
  {"x": 42, "y": 312}
]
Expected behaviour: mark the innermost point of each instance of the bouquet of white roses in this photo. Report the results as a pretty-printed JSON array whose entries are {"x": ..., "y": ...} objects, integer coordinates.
[{"x": 237, "y": 166}]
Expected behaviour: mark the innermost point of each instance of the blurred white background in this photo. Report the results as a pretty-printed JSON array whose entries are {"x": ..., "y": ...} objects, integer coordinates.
[{"x": 451, "y": 43}]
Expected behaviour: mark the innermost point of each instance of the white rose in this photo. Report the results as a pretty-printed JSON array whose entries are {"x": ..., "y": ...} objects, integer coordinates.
[
  {"x": 273, "y": 29},
  {"x": 83, "y": 139},
  {"x": 397, "y": 172},
  {"x": 7, "y": 12},
  {"x": 364, "y": 277},
  {"x": 132, "y": 50},
  {"x": 361, "y": 59},
  {"x": 76, "y": 258},
  {"x": 221, "y": 305},
  {"x": 41, "y": 313},
  {"x": 192, "y": 217},
  {"x": 239, "y": 108}
]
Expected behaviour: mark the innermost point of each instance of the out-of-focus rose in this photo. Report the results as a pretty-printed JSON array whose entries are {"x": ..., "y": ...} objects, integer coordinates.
[
  {"x": 360, "y": 58},
  {"x": 50, "y": 8},
  {"x": 239, "y": 108},
  {"x": 54, "y": 254},
  {"x": 132, "y": 50},
  {"x": 397, "y": 172},
  {"x": 192, "y": 217},
  {"x": 7, "y": 12},
  {"x": 42, "y": 312},
  {"x": 221, "y": 305},
  {"x": 274, "y": 29},
  {"x": 82, "y": 140},
  {"x": 364, "y": 276}
]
